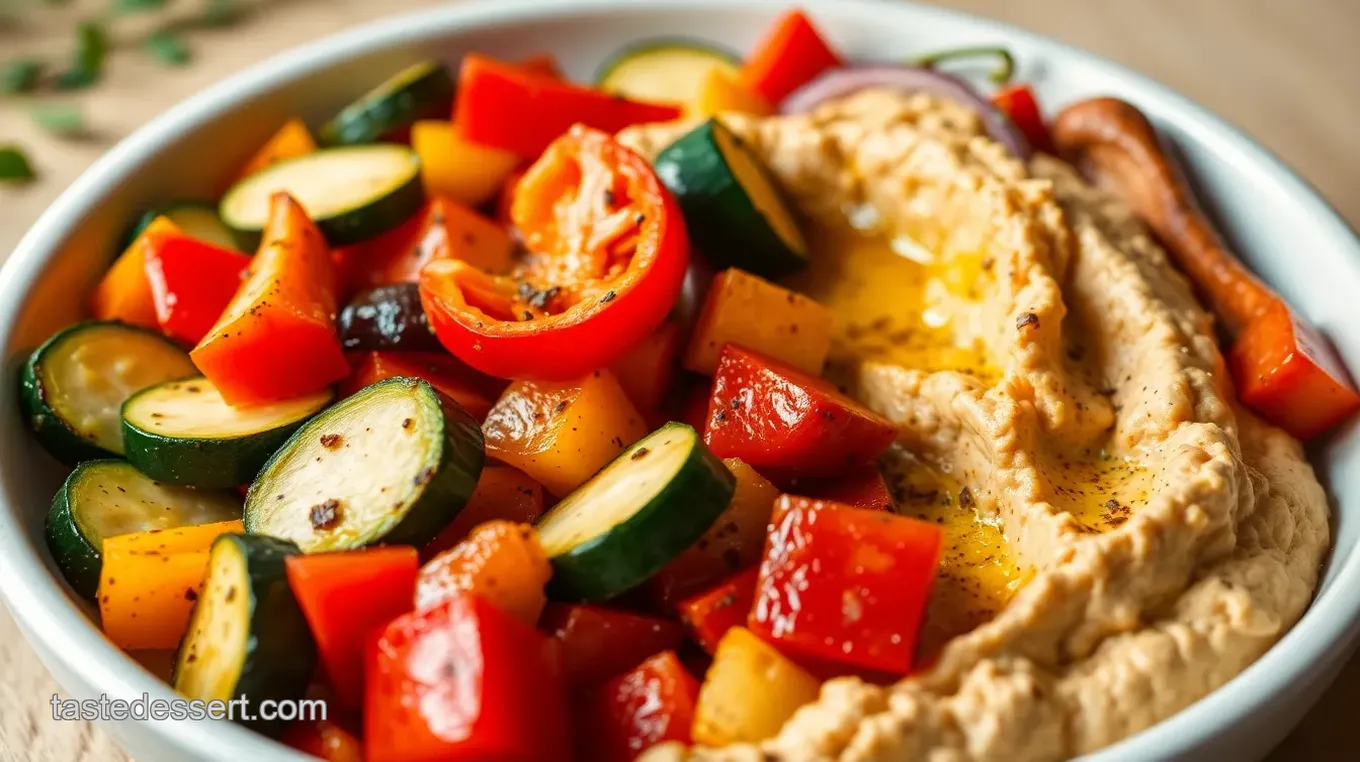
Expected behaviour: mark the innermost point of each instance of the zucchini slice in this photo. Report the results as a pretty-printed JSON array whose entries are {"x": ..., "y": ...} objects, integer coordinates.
[
  {"x": 643, "y": 509},
  {"x": 734, "y": 212},
  {"x": 183, "y": 432},
  {"x": 196, "y": 218},
  {"x": 352, "y": 193},
  {"x": 663, "y": 71},
  {"x": 75, "y": 384},
  {"x": 395, "y": 463},
  {"x": 420, "y": 91},
  {"x": 103, "y": 498},
  {"x": 247, "y": 636}
]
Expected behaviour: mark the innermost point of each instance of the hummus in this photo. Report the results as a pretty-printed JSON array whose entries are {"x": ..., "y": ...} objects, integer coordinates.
[{"x": 1121, "y": 537}]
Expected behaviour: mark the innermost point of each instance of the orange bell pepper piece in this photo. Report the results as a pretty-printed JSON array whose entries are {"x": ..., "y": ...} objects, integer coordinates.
[
  {"x": 645, "y": 373},
  {"x": 455, "y": 167},
  {"x": 291, "y": 141},
  {"x": 562, "y": 433},
  {"x": 277, "y": 338},
  {"x": 501, "y": 562},
  {"x": 124, "y": 293},
  {"x": 149, "y": 581}
]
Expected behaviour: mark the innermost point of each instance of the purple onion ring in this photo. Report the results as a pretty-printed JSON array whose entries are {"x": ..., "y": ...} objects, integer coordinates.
[{"x": 839, "y": 83}]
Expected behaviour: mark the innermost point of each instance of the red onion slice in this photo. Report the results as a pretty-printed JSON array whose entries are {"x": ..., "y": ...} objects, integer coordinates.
[{"x": 839, "y": 83}]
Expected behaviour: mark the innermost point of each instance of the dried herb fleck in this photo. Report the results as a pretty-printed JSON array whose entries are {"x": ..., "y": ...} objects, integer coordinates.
[
  {"x": 165, "y": 46},
  {"x": 20, "y": 75},
  {"x": 14, "y": 166},
  {"x": 87, "y": 65},
  {"x": 60, "y": 119}
]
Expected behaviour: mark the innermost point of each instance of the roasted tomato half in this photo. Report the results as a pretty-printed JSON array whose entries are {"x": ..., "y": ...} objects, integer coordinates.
[{"x": 607, "y": 254}]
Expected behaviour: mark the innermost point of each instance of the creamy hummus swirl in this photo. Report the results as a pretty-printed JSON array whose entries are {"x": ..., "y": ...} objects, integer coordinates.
[{"x": 1129, "y": 615}]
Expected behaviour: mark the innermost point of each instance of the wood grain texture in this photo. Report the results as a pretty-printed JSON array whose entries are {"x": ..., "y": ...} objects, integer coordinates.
[{"x": 1281, "y": 71}]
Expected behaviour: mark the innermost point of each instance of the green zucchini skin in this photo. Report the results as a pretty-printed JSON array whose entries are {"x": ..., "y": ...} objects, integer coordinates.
[
  {"x": 421, "y": 91},
  {"x": 280, "y": 653},
  {"x": 78, "y": 560},
  {"x": 627, "y": 554},
  {"x": 417, "y": 506},
  {"x": 204, "y": 462},
  {"x": 80, "y": 557},
  {"x": 361, "y": 222},
  {"x": 613, "y": 76},
  {"x": 722, "y": 220},
  {"x": 58, "y": 436}
]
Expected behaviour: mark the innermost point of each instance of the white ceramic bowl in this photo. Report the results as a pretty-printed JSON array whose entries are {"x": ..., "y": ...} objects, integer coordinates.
[{"x": 1275, "y": 220}]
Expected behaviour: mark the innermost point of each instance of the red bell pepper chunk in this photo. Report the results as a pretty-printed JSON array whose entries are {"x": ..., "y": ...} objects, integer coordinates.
[
  {"x": 650, "y": 704},
  {"x": 503, "y": 106},
  {"x": 787, "y": 423},
  {"x": 599, "y": 643},
  {"x": 446, "y": 374},
  {"x": 346, "y": 597},
  {"x": 710, "y": 614},
  {"x": 368, "y": 264},
  {"x": 842, "y": 585},
  {"x": 863, "y": 487},
  {"x": 324, "y": 740},
  {"x": 1019, "y": 104},
  {"x": 694, "y": 405},
  {"x": 542, "y": 65},
  {"x": 277, "y": 339},
  {"x": 192, "y": 282},
  {"x": 792, "y": 54},
  {"x": 444, "y": 229},
  {"x": 1287, "y": 373},
  {"x": 464, "y": 682}
]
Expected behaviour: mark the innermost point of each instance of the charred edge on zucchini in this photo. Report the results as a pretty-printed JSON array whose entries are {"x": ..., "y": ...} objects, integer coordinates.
[{"x": 382, "y": 480}]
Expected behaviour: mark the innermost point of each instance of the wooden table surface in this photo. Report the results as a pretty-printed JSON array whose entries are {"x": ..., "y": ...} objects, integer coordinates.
[{"x": 1282, "y": 71}]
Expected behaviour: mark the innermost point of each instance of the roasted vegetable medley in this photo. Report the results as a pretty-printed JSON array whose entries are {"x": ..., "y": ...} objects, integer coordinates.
[{"x": 507, "y": 441}]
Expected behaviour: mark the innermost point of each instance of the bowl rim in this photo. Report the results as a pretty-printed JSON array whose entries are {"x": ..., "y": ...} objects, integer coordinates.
[{"x": 42, "y": 607}]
